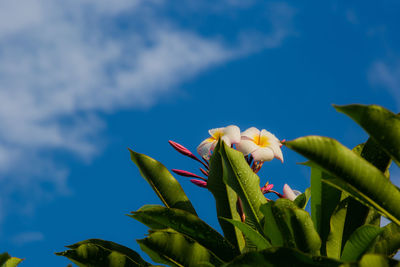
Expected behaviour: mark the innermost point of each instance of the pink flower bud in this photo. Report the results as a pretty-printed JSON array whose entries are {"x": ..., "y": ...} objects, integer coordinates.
[
  {"x": 204, "y": 172},
  {"x": 181, "y": 149},
  {"x": 199, "y": 183},
  {"x": 266, "y": 188},
  {"x": 269, "y": 187},
  {"x": 283, "y": 141},
  {"x": 187, "y": 174}
]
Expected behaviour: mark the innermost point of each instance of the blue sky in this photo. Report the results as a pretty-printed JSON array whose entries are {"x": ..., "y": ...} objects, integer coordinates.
[{"x": 80, "y": 81}]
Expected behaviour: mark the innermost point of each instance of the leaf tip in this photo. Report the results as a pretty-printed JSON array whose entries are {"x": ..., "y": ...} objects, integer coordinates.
[
  {"x": 288, "y": 143},
  {"x": 339, "y": 108}
]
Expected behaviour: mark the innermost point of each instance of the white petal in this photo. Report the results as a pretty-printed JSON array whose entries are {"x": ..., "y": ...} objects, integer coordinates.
[
  {"x": 251, "y": 132},
  {"x": 205, "y": 147},
  {"x": 270, "y": 136},
  {"x": 263, "y": 154},
  {"x": 246, "y": 146},
  {"x": 226, "y": 140},
  {"x": 277, "y": 151},
  {"x": 288, "y": 192},
  {"x": 215, "y": 130},
  {"x": 233, "y": 133}
]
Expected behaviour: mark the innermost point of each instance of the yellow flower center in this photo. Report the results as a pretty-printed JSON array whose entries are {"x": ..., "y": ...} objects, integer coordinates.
[
  {"x": 261, "y": 141},
  {"x": 217, "y": 135}
]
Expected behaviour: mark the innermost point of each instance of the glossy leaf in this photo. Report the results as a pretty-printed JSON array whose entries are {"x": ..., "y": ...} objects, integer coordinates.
[
  {"x": 381, "y": 124},
  {"x": 172, "y": 248},
  {"x": 225, "y": 199},
  {"x": 337, "y": 223},
  {"x": 163, "y": 183},
  {"x": 189, "y": 225},
  {"x": 302, "y": 200},
  {"x": 353, "y": 173},
  {"x": 281, "y": 256},
  {"x": 374, "y": 154},
  {"x": 7, "y": 261},
  {"x": 374, "y": 260},
  {"x": 388, "y": 242},
  {"x": 96, "y": 252},
  {"x": 275, "y": 228},
  {"x": 289, "y": 226},
  {"x": 357, "y": 213},
  {"x": 148, "y": 220},
  {"x": 340, "y": 219},
  {"x": 245, "y": 183},
  {"x": 359, "y": 242},
  {"x": 350, "y": 214},
  {"x": 324, "y": 200},
  {"x": 255, "y": 237}
]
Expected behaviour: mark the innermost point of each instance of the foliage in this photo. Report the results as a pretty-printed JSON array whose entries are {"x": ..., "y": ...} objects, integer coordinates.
[
  {"x": 7, "y": 261},
  {"x": 350, "y": 191}
]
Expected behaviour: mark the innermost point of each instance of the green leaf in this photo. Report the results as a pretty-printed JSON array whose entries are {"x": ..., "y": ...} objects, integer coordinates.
[
  {"x": 246, "y": 184},
  {"x": 377, "y": 156},
  {"x": 324, "y": 200},
  {"x": 275, "y": 227},
  {"x": 381, "y": 124},
  {"x": 148, "y": 220},
  {"x": 353, "y": 174},
  {"x": 357, "y": 213},
  {"x": 374, "y": 260},
  {"x": 189, "y": 225},
  {"x": 281, "y": 256},
  {"x": 302, "y": 200},
  {"x": 7, "y": 261},
  {"x": 351, "y": 214},
  {"x": 337, "y": 222},
  {"x": 288, "y": 225},
  {"x": 163, "y": 183},
  {"x": 388, "y": 242},
  {"x": 172, "y": 248},
  {"x": 255, "y": 237},
  {"x": 359, "y": 242},
  {"x": 225, "y": 199},
  {"x": 340, "y": 219},
  {"x": 96, "y": 252}
]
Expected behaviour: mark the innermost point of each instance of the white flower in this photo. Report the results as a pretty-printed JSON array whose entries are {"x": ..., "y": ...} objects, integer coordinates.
[
  {"x": 230, "y": 135},
  {"x": 262, "y": 145},
  {"x": 289, "y": 193}
]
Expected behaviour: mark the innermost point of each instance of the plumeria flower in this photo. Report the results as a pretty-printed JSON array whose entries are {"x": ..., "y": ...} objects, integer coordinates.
[
  {"x": 289, "y": 193},
  {"x": 262, "y": 145},
  {"x": 230, "y": 135}
]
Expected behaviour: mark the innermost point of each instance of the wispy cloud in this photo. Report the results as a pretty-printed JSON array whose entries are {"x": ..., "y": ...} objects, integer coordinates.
[
  {"x": 387, "y": 77},
  {"x": 61, "y": 63},
  {"x": 27, "y": 237}
]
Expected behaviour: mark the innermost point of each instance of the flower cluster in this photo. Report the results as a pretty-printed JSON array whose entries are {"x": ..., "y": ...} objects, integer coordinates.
[
  {"x": 261, "y": 145},
  {"x": 257, "y": 147}
]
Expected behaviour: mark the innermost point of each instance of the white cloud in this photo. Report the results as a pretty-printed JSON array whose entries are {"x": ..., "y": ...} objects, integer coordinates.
[
  {"x": 27, "y": 237},
  {"x": 62, "y": 62},
  {"x": 386, "y": 76}
]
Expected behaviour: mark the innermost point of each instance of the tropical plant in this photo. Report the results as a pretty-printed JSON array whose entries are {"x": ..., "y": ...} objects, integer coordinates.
[
  {"x": 350, "y": 191},
  {"x": 7, "y": 261}
]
